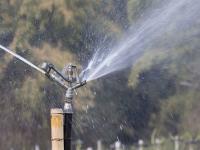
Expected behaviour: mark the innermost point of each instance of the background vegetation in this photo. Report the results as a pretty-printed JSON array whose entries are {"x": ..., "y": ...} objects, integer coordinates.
[{"x": 158, "y": 96}]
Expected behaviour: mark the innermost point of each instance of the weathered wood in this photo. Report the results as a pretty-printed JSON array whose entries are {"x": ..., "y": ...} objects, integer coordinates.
[{"x": 57, "y": 129}]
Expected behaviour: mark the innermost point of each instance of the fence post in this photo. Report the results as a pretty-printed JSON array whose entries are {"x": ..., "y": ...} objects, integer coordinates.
[
  {"x": 176, "y": 140},
  {"x": 99, "y": 145},
  {"x": 37, "y": 147},
  {"x": 117, "y": 145},
  {"x": 158, "y": 143},
  {"x": 190, "y": 145},
  {"x": 89, "y": 148},
  {"x": 140, "y": 144},
  {"x": 78, "y": 144},
  {"x": 57, "y": 129}
]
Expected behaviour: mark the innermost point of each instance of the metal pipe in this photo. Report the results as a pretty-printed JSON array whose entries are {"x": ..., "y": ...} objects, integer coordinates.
[
  {"x": 67, "y": 131},
  {"x": 68, "y": 113}
]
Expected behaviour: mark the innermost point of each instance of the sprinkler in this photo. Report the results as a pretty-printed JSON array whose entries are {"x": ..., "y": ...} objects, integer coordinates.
[{"x": 70, "y": 80}]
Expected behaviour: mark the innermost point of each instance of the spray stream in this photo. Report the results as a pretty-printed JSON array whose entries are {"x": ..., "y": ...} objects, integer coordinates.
[
  {"x": 143, "y": 35},
  {"x": 22, "y": 59}
]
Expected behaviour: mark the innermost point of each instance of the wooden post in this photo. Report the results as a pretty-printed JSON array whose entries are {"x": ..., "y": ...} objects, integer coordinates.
[
  {"x": 78, "y": 144},
  {"x": 89, "y": 148},
  {"x": 57, "y": 129},
  {"x": 37, "y": 147},
  {"x": 99, "y": 145},
  {"x": 140, "y": 144},
  {"x": 158, "y": 143},
  {"x": 176, "y": 139},
  {"x": 117, "y": 145},
  {"x": 176, "y": 143},
  {"x": 191, "y": 145}
]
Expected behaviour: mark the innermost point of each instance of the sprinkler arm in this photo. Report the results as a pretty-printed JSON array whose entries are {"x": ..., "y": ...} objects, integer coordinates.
[
  {"x": 47, "y": 67},
  {"x": 53, "y": 74},
  {"x": 78, "y": 85},
  {"x": 57, "y": 80}
]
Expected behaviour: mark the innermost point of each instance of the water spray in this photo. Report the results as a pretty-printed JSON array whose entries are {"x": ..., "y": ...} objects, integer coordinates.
[
  {"x": 166, "y": 20},
  {"x": 69, "y": 79}
]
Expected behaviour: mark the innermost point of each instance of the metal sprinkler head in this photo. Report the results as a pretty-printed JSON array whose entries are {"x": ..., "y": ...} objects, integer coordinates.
[{"x": 68, "y": 78}]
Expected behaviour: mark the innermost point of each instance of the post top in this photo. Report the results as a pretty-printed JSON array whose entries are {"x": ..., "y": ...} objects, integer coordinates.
[{"x": 56, "y": 111}]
